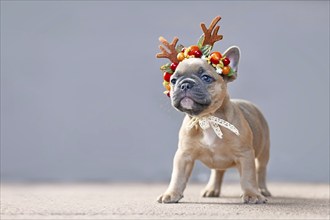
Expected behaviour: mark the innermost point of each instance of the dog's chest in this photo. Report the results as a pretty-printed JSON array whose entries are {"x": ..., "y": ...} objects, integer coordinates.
[
  {"x": 214, "y": 153},
  {"x": 209, "y": 138}
]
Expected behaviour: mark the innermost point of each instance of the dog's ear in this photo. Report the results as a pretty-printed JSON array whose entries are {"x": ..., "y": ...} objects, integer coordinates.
[{"x": 233, "y": 54}]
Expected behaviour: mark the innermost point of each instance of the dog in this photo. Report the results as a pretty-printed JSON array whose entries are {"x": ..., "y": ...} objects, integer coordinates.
[{"x": 218, "y": 131}]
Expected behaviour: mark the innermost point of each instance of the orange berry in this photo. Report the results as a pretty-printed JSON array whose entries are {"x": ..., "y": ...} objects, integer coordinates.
[
  {"x": 226, "y": 70},
  {"x": 180, "y": 56},
  {"x": 165, "y": 83}
]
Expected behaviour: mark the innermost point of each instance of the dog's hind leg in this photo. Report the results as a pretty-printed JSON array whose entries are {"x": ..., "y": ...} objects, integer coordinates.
[
  {"x": 261, "y": 168},
  {"x": 213, "y": 187}
]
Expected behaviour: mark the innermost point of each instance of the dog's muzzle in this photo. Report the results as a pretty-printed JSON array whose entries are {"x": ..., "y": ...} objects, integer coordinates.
[{"x": 186, "y": 85}]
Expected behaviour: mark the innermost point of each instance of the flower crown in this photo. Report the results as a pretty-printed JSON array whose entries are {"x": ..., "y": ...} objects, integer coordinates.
[{"x": 202, "y": 50}]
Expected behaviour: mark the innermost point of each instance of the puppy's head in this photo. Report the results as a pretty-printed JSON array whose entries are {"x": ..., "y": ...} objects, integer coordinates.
[{"x": 197, "y": 89}]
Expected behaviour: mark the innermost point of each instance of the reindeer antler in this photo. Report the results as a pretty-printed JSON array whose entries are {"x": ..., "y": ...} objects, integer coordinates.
[
  {"x": 172, "y": 54},
  {"x": 209, "y": 37}
]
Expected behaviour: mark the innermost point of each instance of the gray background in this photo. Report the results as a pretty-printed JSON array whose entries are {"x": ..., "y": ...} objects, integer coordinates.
[{"x": 81, "y": 92}]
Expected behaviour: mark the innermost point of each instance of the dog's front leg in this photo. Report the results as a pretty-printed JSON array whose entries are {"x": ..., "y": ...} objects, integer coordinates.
[
  {"x": 182, "y": 167},
  {"x": 247, "y": 170}
]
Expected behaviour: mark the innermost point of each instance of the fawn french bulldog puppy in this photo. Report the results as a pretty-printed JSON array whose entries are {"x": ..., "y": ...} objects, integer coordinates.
[{"x": 219, "y": 131}]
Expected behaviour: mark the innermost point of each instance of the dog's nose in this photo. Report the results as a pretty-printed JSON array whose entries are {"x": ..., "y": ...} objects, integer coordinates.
[{"x": 186, "y": 86}]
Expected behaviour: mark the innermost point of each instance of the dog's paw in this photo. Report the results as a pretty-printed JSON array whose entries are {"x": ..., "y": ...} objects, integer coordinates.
[
  {"x": 265, "y": 192},
  {"x": 253, "y": 198},
  {"x": 208, "y": 192},
  {"x": 171, "y": 197}
]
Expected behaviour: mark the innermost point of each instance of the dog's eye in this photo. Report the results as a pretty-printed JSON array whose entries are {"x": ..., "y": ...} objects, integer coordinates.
[
  {"x": 173, "y": 81},
  {"x": 207, "y": 79}
]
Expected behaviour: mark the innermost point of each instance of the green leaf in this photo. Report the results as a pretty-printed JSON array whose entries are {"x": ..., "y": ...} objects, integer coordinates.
[
  {"x": 166, "y": 68},
  {"x": 200, "y": 41},
  {"x": 206, "y": 49},
  {"x": 232, "y": 72},
  {"x": 179, "y": 48}
]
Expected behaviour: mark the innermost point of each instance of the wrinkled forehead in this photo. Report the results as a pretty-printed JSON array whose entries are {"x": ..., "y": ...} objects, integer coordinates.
[{"x": 194, "y": 66}]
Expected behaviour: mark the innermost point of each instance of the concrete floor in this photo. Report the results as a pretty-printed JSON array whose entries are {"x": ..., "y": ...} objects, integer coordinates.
[{"x": 138, "y": 201}]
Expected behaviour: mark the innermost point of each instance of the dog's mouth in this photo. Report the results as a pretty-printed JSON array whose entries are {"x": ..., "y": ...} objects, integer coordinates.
[
  {"x": 192, "y": 101},
  {"x": 190, "y": 105},
  {"x": 187, "y": 103}
]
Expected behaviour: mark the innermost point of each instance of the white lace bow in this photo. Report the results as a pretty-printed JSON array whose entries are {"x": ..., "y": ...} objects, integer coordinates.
[{"x": 215, "y": 123}]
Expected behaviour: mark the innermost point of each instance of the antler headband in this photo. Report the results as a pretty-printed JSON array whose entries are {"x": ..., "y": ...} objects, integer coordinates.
[{"x": 202, "y": 50}]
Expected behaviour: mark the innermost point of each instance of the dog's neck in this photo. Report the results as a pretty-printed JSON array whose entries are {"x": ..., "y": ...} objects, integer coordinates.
[
  {"x": 226, "y": 104},
  {"x": 224, "y": 109},
  {"x": 212, "y": 121}
]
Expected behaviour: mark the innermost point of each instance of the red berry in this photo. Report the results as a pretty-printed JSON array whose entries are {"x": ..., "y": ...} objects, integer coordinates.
[
  {"x": 192, "y": 50},
  {"x": 198, "y": 54},
  {"x": 226, "y": 61},
  {"x": 167, "y": 76},
  {"x": 215, "y": 57},
  {"x": 173, "y": 66},
  {"x": 167, "y": 93},
  {"x": 183, "y": 49}
]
